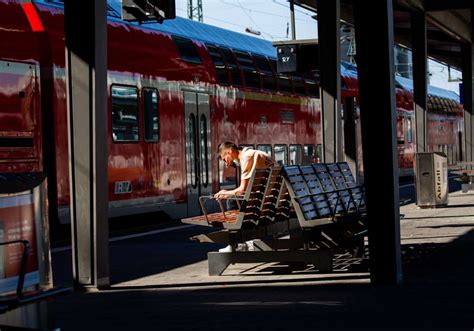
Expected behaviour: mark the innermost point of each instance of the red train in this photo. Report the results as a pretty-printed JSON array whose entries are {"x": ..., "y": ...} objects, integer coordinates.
[{"x": 175, "y": 91}]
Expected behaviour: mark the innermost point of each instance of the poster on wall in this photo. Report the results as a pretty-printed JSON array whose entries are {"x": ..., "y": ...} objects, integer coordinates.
[{"x": 17, "y": 222}]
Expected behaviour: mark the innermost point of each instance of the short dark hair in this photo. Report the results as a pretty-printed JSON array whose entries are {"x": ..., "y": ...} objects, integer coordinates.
[{"x": 227, "y": 145}]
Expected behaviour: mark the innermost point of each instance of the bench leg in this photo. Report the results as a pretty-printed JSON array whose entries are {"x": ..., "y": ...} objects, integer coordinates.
[
  {"x": 322, "y": 260},
  {"x": 218, "y": 262}
]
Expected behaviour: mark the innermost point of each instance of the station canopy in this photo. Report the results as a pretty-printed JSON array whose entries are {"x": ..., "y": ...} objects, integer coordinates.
[{"x": 448, "y": 24}]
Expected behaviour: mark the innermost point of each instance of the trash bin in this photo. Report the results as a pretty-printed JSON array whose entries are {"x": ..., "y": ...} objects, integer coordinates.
[{"x": 431, "y": 180}]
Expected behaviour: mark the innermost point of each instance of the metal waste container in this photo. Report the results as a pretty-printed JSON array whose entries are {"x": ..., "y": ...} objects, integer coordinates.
[{"x": 431, "y": 180}]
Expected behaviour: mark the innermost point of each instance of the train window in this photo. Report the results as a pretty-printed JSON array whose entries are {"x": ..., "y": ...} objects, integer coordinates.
[
  {"x": 192, "y": 149},
  {"x": 248, "y": 68},
  {"x": 287, "y": 117},
  {"x": 266, "y": 73},
  {"x": 409, "y": 131},
  {"x": 298, "y": 83},
  {"x": 187, "y": 50},
  {"x": 204, "y": 152},
  {"x": 124, "y": 114},
  {"x": 219, "y": 65},
  {"x": 295, "y": 154},
  {"x": 438, "y": 105},
  {"x": 232, "y": 65},
  {"x": 246, "y": 146},
  {"x": 285, "y": 83},
  {"x": 429, "y": 103},
  {"x": 311, "y": 85},
  {"x": 311, "y": 154},
  {"x": 281, "y": 154},
  {"x": 227, "y": 176},
  {"x": 265, "y": 148},
  {"x": 151, "y": 117},
  {"x": 452, "y": 106},
  {"x": 442, "y": 106}
]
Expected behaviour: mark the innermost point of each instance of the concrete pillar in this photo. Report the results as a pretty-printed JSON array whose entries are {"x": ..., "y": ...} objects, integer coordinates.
[
  {"x": 350, "y": 135},
  {"x": 86, "y": 68},
  {"x": 329, "y": 54},
  {"x": 420, "y": 64},
  {"x": 467, "y": 53},
  {"x": 375, "y": 61}
]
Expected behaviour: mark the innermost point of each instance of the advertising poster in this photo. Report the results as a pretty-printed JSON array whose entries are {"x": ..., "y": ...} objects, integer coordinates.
[{"x": 17, "y": 222}]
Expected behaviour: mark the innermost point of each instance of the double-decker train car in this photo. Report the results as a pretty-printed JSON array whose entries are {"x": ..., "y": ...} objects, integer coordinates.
[
  {"x": 176, "y": 90},
  {"x": 444, "y": 119}
]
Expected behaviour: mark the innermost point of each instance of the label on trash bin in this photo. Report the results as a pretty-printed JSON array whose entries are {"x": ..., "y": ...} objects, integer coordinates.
[
  {"x": 17, "y": 222},
  {"x": 441, "y": 183}
]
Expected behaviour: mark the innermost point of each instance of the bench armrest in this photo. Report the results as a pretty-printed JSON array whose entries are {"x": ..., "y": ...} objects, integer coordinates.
[{"x": 203, "y": 198}]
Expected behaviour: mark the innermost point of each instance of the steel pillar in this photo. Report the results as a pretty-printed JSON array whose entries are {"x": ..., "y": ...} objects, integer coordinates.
[
  {"x": 329, "y": 52},
  {"x": 86, "y": 68},
  {"x": 350, "y": 136},
  {"x": 420, "y": 64},
  {"x": 375, "y": 60},
  {"x": 467, "y": 53}
]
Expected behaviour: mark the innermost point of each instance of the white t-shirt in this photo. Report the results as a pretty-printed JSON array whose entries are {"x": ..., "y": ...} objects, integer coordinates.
[{"x": 252, "y": 159}]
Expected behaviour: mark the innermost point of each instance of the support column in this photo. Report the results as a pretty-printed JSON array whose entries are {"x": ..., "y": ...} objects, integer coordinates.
[
  {"x": 467, "y": 53},
  {"x": 86, "y": 67},
  {"x": 350, "y": 135},
  {"x": 375, "y": 63},
  {"x": 420, "y": 65},
  {"x": 329, "y": 52}
]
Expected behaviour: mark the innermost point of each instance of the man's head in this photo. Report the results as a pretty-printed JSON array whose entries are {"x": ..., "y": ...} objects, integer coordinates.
[{"x": 228, "y": 152}]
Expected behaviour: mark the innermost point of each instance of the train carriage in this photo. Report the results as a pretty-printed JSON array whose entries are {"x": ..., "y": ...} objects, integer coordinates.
[{"x": 176, "y": 90}]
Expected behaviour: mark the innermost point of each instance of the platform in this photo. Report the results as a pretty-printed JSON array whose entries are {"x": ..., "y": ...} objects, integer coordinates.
[{"x": 161, "y": 282}]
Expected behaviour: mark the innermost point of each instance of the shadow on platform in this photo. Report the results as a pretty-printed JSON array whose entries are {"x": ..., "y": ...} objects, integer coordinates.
[{"x": 436, "y": 292}]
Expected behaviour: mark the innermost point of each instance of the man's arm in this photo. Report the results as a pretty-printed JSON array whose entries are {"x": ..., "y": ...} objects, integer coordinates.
[{"x": 222, "y": 194}]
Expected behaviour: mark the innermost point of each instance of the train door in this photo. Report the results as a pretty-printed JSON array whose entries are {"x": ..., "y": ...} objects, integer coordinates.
[
  {"x": 19, "y": 130},
  {"x": 198, "y": 148}
]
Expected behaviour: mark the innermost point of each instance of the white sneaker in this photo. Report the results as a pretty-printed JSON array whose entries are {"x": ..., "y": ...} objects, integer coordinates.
[
  {"x": 242, "y": 248},
  {"x": 226, "y": 249},
  {"x": 250, "y": 246}
]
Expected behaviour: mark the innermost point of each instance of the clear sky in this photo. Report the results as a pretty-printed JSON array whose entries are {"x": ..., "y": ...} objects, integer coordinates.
[{"x": 272, "y": 18}]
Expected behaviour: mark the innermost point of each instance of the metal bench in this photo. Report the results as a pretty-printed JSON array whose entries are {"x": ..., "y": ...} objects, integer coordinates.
[
  {"x": 264, "y": 215},
  {"x": 258, "y": 204},
  {"x": 22, "y": 297},
  {"x": 328, "y": 204}
]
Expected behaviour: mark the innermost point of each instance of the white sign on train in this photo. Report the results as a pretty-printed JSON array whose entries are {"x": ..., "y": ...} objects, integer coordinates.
[{"x": 123, "y": 187}]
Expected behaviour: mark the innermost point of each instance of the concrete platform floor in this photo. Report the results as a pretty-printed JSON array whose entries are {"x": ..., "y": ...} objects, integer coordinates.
[{"x": 160, "y": 282}]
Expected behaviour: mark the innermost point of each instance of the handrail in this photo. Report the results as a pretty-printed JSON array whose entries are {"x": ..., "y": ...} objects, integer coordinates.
[{"x": 237, "y": 198}]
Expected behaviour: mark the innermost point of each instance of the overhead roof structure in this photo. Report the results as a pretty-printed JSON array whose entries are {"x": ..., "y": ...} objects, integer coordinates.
[{"x": 449, "y": 24}]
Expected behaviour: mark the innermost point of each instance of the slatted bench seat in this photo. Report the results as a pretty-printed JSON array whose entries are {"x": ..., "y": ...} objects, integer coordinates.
[
  {"x": 328, "y": 202},
  {"x": 22, "y": 297},
  {"x": 258, "y": 205}
]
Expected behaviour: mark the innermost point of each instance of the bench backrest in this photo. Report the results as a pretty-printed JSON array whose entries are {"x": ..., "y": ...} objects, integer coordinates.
[
  {"x": 264, "y": 198},
  {"x": 323, "y": 191},
  {"x": 357, "y": 191}
]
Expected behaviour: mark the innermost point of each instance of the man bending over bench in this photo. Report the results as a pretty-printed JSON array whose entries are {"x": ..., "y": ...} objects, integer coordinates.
[{"x": 248, "y": 159}]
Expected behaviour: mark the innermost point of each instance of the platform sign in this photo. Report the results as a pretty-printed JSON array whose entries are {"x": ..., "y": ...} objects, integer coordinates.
[
  {"x": 297, "y": 56},
  {"x": 287, "y": 61},
  {"x": 17, "y": 221}
]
